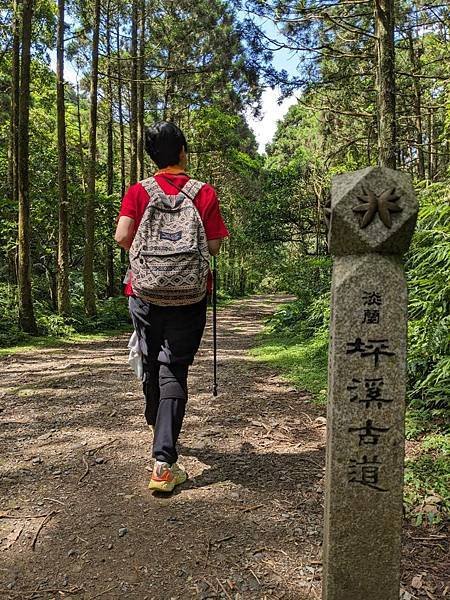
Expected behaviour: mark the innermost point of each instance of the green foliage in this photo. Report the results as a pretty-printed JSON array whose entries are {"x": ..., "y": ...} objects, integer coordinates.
[
  {"x": 428, "y": 268},
  {"x": 53, "y": 325},
  {"x": 112, "y": 315},
  {"x": 9, "y": 328},
  {"x": 309, "y": 314},
  {"x": 214, "y": 130},
  {"x": 297, "y": 141},
  {"x": 302, "y": 362},
  {"x": 427, "y": 481}
]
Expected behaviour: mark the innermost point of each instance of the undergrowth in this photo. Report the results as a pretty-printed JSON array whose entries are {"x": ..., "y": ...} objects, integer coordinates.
[
  {"x": 295, "y": 341},
  {"x": 302, "y": 362},
  {"x": 302, "y": 357},
  {"x": 427, "y": 481},
  {"x": 55, "y": 330},
  {"x": 112, "y": 314}
]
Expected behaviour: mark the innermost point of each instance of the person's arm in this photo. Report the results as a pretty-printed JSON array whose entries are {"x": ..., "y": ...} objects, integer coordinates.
[
  {"x": 215, "y": 228},
  {"x": 214, "y": 246},
  {"x": 124, "y": 232}
]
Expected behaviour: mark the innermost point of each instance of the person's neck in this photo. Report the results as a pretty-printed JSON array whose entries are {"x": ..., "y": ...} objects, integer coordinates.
[{"x": 172, "y": 169}]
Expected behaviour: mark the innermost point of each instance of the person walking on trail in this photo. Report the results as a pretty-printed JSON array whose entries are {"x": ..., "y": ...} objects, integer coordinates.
[{"x": 170, "y": 224}]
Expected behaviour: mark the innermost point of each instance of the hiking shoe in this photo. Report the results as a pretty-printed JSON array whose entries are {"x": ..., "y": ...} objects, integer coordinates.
[{"x": 165, "y": 477}]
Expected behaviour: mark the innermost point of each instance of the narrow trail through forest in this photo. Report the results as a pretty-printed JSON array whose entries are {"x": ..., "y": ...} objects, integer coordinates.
[{"x": 77, "y": 520}]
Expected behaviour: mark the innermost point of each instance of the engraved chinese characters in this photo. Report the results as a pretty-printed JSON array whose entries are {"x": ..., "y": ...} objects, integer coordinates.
[
  {"x": 362, "y": 470},
  {"x": 369, "y": 434},
  {"x": 367, "y": 365}
]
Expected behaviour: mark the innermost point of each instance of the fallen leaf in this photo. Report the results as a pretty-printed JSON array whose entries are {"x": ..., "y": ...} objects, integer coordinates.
[
  {"x": 13, "y": 536},
  {"x": 416, "y": 582},
  {"x": 435, "y": 499}
]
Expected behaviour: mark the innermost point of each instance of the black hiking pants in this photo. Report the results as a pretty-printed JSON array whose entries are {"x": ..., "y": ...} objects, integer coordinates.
[{"x": 169, "y": 337}]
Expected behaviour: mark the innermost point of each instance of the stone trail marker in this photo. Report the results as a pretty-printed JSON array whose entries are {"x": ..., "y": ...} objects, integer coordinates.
[{"x": 371, "y": 222}]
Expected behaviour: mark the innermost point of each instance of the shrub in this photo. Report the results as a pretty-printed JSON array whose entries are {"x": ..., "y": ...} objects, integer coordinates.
[{"x": 428, "y": 268}]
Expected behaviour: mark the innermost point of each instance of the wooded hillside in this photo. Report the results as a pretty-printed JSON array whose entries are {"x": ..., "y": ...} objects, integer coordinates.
[{"x": 372, "y": 78}]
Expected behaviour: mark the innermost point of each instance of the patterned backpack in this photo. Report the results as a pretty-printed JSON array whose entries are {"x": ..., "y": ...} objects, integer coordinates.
[{"x": 169, "y": 256}]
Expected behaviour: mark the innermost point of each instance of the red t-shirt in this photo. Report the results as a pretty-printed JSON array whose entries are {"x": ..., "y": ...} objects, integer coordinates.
[{"x": 136, "y": 199}]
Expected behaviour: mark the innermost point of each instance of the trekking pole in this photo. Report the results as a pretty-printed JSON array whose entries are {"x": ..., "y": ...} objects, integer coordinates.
[{"x": 214, "y": 298}]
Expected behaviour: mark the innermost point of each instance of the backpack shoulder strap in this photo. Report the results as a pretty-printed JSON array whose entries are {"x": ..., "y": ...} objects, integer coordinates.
[
  {"x": 189, "y": 190},
  {"x": 152, "y": 188},
  {"x": 192, "y": 188}
]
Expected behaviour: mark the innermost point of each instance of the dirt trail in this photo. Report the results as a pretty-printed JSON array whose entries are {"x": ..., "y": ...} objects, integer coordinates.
[{"x": 75, "y": 447}]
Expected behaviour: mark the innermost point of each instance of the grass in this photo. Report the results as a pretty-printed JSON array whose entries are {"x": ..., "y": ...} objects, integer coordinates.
[
  {"x": 427, "y": 481},
  {"x": 301, "y": 362},
  {"x": 30, "y": 343},
  {"x": 42, "y": 342}
]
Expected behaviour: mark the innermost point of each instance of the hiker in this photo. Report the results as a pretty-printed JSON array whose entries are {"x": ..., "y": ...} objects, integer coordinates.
[{"x": 169, "y": 279}]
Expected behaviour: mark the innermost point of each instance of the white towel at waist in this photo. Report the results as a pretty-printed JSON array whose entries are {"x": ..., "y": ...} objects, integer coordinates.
[{"x": 135, "y": 356}]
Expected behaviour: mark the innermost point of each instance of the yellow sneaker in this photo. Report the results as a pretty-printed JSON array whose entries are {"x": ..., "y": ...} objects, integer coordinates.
[{"x": 165, "y": 477}]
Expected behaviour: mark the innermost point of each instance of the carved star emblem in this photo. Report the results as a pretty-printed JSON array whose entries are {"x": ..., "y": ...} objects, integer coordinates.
[{"x": 384, "y": 205}]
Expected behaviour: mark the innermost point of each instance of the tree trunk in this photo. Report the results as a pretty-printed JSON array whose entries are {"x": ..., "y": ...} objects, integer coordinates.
[
  {"x": 88, "y": 271},
  {"x": 141, "y": 93},
  {"x": 63, "y": 232},
  {"x": 434, "y": 146},
  {"x": 168, "y": 91},
  {"x": 122, "y": 139},
  {"x": 384, "y": 30},
  {"x": 26, "y": 312},
  {"x": 110, "y": 287},
  {"x": 52, "y": 279},
  {"x": 415, "y": 64},
  {"x": 430, "y": 144},
  {"x": 120, "y": 114},
  {"x": 133, "y": 90},
  {"x": 80, "y": 141},
  {"x": 14, "y": 117},
  {"x": 13, "y": 166}
]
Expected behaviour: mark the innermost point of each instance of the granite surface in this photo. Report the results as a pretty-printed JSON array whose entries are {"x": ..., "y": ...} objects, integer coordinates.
[
  {"x": 367, "y": 385},
  {"x": 347, "y": 236}
]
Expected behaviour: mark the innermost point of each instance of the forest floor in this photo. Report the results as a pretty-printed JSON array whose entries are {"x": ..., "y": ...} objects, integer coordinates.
[{"x": 77, "y": 520}]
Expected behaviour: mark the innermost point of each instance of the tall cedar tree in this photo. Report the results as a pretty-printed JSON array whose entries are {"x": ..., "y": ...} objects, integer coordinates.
[
  {"x": 134, "y": 91},
  {"x": 89, "y": 214},
  {"x": 141, "y": 92},
  {"x": 26, "y": 311},
  {"x": 110, "y": 284},
  {"x": 13, "y": 167},
  {"x": 63, "y": 232},
  {"x": 385, "y": 78}
]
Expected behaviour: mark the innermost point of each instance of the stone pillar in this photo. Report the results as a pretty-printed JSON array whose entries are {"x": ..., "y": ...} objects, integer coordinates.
[{"x": 372, "y": 219}]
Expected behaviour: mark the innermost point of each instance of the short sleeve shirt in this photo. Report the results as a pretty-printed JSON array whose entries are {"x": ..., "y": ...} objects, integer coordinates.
[{"x": 136, "y": 199}]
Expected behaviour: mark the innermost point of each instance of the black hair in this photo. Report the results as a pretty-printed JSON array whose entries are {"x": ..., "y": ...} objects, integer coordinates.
[{"x": 163, "y": 143}]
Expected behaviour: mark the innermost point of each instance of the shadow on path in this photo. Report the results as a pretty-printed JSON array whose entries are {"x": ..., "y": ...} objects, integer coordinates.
[
  {"x": 75, "y": 461},
  {"x": 74, "y": 447}
]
